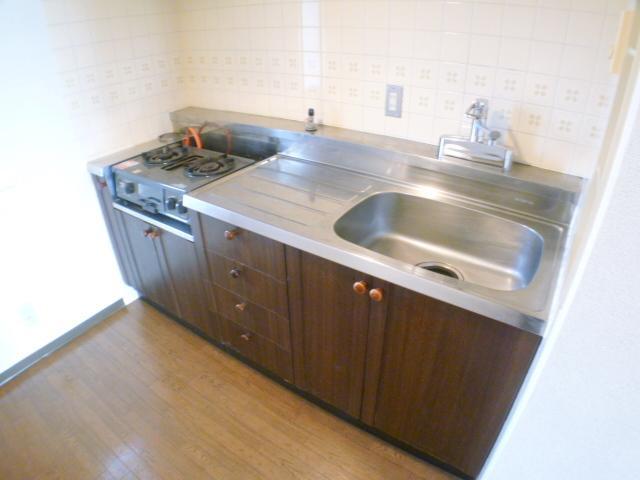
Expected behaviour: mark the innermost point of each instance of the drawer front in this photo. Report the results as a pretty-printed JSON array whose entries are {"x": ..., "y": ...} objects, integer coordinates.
[
  {"x": 248, "y": 283},
  {"x": 246, "y": 247},
  {"x": 252, "y": 316},
  {"x": 258, "y": 349}
]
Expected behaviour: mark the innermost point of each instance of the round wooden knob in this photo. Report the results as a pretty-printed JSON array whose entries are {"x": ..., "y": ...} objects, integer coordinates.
[
  {"x": 151, "y": 232},
  {"x": 241, "y": 306},
  {"x": 231, "y": 234},
  {"x": 234, "y": 272},
  {"x": 376, "y": 294},
  {"x": 360, "y": 287},
  {"x": 246, "y": 336}
]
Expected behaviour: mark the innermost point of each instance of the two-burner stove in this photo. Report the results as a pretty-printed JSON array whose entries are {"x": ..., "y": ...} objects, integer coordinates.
[{"x": 155, "y": 181}]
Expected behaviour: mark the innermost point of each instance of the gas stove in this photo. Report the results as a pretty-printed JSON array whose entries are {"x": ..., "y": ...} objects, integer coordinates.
[{"x": 154, "y": 182}]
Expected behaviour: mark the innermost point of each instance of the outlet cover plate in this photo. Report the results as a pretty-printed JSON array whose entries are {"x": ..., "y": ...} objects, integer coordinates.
[{"x": 393, "y": 101}]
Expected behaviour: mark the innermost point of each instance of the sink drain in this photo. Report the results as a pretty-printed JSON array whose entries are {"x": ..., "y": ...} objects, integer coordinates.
[{"x": 441, "y": 269}]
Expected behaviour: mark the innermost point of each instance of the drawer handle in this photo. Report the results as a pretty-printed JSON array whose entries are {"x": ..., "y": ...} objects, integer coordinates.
[
  {"x": 151, "y": 233},
  {"x": 235, "y": 272},
  {"x": 231, "y": 234},
  {"x": 241, "y": 306},
  {"x": 246, "y": 336},
  {"x": 376, "y": 294},
  {"x": 360, "y": 287}
]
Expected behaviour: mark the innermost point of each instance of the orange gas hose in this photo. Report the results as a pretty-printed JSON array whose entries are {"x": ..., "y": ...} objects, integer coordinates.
[{"x": 192, "y": 132}]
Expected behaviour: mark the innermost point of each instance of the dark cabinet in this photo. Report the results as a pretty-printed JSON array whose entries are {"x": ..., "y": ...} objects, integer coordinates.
[
  {"x": 329, "y": 326},
  {"x": 245, "y": 275},
  {"x": 184, "y": 272},
  {"x": 445, "y": 378},
  {"x": 436, "y": 377},
  {"x": 165, "y": 271},
  {"x": 163, "y": 267},
  {"x": 150, "y": 279},
  {"x": 115, "y": 230}
]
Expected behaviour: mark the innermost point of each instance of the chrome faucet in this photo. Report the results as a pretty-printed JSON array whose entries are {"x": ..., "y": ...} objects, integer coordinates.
[
  {"x": 478, "y": 111},
  {"x": 482, "y": 144}
]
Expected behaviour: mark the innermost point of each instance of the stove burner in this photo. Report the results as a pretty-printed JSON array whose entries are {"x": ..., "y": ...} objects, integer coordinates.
[
  {"x": 184, "y": 161},
  {"x": 210, "y": 167},
  {"x": 164, "y": 155}
]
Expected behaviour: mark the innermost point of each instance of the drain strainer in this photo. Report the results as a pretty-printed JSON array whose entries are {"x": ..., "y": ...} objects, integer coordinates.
[{"x": 441, "y": 269}]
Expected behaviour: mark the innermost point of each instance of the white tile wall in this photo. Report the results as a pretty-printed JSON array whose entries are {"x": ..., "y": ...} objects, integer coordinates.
[
  {"x": 542, "y": 63},
  {"x": 119, "y": 68}
]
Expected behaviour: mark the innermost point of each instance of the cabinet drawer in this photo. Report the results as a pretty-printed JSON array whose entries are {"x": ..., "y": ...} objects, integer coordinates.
[
  {"x": 248, "y": 283},
  {"x": 254, "y": 317},
  {"x": 246, "y": 247},
  {"x": 258, "y": 349}
]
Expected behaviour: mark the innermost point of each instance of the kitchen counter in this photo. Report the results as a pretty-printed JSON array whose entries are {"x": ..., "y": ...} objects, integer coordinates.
[{"x": 296, "y": 196}]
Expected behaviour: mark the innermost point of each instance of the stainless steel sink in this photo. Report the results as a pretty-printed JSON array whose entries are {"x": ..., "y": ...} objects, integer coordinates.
[{"x": 463, "y": 243}]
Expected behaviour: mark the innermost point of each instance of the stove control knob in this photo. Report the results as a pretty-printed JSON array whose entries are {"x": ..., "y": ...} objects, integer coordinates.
[
  {"x": 181, "y": 209},
  {"x": 171, "y": 203},
  {"x": 129, "y": 188}
]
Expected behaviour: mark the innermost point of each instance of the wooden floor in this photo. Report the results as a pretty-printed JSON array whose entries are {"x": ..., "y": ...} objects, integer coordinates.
[{"x": 139, "y": 396}]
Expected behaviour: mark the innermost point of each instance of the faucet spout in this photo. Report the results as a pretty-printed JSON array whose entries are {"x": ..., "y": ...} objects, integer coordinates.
[
  {"x": 478, "y": 109},
  {"x": 478, "y": 112}
]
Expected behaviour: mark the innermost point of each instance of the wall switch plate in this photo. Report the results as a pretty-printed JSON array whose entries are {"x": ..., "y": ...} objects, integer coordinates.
[{"x": 393, "y": 103}]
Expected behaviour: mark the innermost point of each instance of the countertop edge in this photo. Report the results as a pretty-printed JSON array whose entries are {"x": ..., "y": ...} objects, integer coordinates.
[{"x": 370, "y": 266}]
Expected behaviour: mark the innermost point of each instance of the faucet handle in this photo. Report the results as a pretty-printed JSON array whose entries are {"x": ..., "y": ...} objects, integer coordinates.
[
  {"x": 478, "y": 109},
  {"x": 494, "y": 136}
]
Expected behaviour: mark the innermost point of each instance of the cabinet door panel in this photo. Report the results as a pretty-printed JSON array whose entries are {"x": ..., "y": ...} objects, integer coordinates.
[
  {"x": 448, "y": 378},
  {"x": 182, "y": 264},
  {"x": 115, "y": 230},
  {"x": 329, "y": 321},
  {"x": 152, "y": 281}
]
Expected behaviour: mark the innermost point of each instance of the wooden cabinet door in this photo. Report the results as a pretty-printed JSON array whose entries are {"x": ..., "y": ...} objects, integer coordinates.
[
  {"x": 444, "y": 378},
  {"x": 329, "y": 328},
  {"x": 152, "y": 281},
  {"x": 115, "y": 230},
  {"x": 181, "y": 262}
]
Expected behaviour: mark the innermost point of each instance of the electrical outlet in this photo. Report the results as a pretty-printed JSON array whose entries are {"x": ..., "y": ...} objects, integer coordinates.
[{"x": 393, "y": 103}]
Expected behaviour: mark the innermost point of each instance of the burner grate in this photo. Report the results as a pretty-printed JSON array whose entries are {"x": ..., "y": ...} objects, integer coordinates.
[
  {"x": 210, "y": 167},
  {"x": 164, "y": 156}
]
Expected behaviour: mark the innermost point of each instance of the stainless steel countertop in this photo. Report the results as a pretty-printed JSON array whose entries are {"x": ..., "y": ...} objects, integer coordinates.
[{"x": 296, "y": 196}]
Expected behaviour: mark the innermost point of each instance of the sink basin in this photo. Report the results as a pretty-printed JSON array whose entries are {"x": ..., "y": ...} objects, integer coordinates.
[{"x": 458, "y": 242}]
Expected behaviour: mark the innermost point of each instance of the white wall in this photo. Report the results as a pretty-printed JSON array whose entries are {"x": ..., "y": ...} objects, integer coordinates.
[
  {"x": 582, "y": 418},
  {"x": 543, "y": 64},
  {"x": 77, "y": 79}
]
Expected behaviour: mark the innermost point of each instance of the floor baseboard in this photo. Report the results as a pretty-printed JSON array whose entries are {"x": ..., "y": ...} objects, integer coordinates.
[{"x": 35, "y": 357}]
